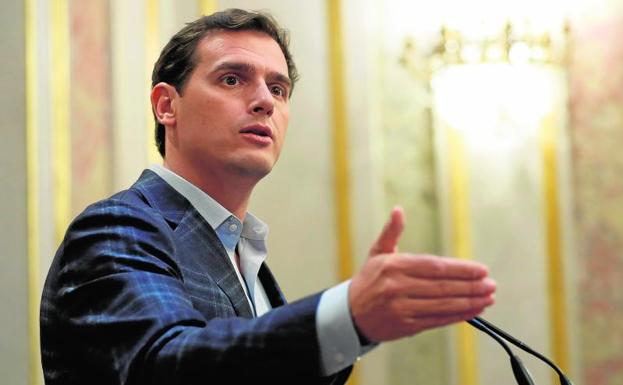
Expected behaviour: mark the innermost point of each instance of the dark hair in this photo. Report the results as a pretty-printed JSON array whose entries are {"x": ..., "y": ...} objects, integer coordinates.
[{"x": 177, "y": 59}]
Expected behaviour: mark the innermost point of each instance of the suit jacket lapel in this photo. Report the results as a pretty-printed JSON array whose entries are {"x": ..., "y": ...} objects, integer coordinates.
[
  {"x": 206, "y": 254},
  {"x": 199, "y": 248},
  {"x": 273, "y": 292}
]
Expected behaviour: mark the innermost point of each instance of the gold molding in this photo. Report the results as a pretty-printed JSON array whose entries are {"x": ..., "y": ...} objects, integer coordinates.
[
  {"x": 61, "y": 139},
  {"x": 461, "y": 247},
  {"x": 341, "y": 164},
  {"x": 555, "y": 265},
  {"x": 207, "y": 7},
  {"x": 340, "y": 140},
  {"x": 32, "y": 191}
]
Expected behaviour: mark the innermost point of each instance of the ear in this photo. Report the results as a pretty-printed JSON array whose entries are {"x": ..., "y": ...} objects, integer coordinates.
[{"x": 163, "y": 97}]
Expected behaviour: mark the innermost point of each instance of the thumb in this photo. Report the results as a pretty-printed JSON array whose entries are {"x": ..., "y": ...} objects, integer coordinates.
[{"x": 387, "y": 241}]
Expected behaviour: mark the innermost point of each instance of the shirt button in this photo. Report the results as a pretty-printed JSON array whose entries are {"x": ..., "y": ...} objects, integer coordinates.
[
  {"x": 233, "y": 227},
  {"x": 339, "y": 357}
]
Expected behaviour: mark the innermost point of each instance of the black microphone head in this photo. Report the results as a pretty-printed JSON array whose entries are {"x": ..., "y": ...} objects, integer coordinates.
[{"x": 522, "y": 375}]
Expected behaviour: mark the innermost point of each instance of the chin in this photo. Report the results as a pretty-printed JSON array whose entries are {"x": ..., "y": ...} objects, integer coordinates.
[{"x": 253, "y": 169}]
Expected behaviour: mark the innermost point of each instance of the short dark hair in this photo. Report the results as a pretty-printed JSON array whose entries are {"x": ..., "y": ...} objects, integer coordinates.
[{"x": 177, "y": 59}]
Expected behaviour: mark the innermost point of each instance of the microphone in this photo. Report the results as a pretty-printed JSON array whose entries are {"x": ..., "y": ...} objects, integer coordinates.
[{"x": 522, "y": 375}]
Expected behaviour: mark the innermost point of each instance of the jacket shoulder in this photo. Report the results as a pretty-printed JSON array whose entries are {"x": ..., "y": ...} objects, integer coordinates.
[{"x": 149, "y": 197}]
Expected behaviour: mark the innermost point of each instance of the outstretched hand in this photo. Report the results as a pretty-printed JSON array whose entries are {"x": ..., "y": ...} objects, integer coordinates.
[{"x": 399, "y": 294}]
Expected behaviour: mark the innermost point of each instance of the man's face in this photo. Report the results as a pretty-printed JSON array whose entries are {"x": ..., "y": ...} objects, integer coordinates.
[{"x": 232, "y": 115}]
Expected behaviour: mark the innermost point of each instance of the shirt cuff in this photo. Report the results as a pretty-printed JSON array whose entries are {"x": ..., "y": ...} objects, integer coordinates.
[{"x": 337, "y": 337}]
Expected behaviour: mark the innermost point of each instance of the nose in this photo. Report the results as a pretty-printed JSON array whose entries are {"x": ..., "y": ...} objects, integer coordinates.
[{"x": 262, "y": 102}]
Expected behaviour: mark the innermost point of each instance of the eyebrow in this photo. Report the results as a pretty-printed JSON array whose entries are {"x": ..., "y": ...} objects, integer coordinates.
[{"x": 250, "y": 69}]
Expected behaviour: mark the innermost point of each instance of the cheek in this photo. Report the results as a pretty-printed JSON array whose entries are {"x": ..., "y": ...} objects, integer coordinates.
[
  {"x": 282, "y": 121},
  {"x": 209, "y": 119}
]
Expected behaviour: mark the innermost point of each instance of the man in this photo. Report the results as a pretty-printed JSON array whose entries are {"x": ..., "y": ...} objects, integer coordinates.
[{"x": 165, "y": 283}]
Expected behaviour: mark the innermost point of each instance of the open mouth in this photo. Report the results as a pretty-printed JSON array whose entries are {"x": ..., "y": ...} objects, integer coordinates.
[{"x": 257, "y": 130}]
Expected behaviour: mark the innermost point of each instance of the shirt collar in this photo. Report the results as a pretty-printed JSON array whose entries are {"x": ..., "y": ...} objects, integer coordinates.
[
  {"x": 254, "y": 229},
  {"x": 213, "y": 212}
]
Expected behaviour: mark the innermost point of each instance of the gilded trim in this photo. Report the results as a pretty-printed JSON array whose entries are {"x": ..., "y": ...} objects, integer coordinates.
[
  {"x": 340, "y": 141},
  {"x": 32, "y": 171},
  {"x": 152, "y": 43},
  {"x": 461, "y": 247},
  {"x": 207, "y": 7},
  {"x": 61, "y": 146},
  {"x": 555, "y": 265},
  {"x": 341, "y": 164}
]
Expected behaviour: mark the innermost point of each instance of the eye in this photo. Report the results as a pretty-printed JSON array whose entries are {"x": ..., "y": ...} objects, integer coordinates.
[
  {"x": 231, "y": 80},
  {"x": 278, "y": 91}
]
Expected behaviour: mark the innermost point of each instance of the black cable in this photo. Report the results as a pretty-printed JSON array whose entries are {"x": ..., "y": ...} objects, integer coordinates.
[
  {"x": 478, "y": 325},
  {"x": 521, "y": 345},
  {"x": 522, "y": 375}
]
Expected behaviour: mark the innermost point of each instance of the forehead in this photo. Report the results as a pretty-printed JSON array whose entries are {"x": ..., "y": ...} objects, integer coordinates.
[{"x": 250, "y": 47}]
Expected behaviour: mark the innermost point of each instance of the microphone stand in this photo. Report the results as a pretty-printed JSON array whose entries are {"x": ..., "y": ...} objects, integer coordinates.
[{"x": 522, "y": 375}]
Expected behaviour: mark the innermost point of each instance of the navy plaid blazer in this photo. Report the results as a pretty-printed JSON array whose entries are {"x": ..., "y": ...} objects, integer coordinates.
[{"x": 141, "y": 291}]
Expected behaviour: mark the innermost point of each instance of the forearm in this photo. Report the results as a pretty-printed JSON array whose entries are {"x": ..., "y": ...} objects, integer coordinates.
[
  {"x": 340, "y": 345},
  {"x": 280, "y": 344}
]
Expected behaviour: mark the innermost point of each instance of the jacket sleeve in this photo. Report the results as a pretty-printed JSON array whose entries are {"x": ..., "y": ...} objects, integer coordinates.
[{"x": 115, "y": 311}]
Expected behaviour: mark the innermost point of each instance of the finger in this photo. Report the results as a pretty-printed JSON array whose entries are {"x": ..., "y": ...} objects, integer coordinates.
[
  {"x": 426, "y": 288},
  {"x": 422, "y": 308},
  {"x": 387, "y": 241},
  {"x": 433, "y": 267}
]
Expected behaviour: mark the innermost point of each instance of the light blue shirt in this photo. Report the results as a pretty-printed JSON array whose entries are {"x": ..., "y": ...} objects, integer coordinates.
[{"x": 337, "y": 338}]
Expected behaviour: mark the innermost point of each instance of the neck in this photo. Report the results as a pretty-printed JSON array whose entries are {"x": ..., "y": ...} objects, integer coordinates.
[{"x": 231, "y": 191}]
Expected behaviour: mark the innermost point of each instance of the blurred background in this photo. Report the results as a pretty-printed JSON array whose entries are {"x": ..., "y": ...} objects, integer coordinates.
[{"x": 495, "y": 124}]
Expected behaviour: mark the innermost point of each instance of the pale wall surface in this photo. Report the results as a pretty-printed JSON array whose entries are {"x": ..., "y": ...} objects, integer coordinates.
[{"x": 13, "y": 275}]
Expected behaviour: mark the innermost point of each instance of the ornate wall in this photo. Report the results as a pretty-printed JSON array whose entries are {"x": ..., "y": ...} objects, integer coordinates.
[
  {"x": 90, "y": 103},
  {"x": 596, "y": 84},
  {"x": 107, "y": 50}
]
